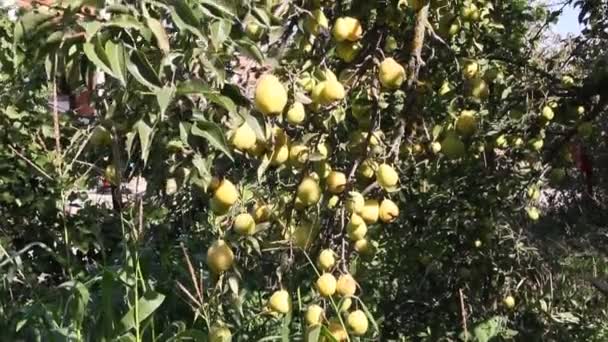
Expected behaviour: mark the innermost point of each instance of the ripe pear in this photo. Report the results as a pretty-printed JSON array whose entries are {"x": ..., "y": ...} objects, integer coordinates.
[
  {"x": 548, "y": 113},
  {"x": 537, "y": 143},
  {"x": 477, "y": 243},
  {"x": 567, "y": 81},
  {"x": 470, "y": 69},
  {"x": 280, "y": 302},
  {"x": 243, "y": 138},
  {"x": 533, "y": 213},
  {"x": 387, "y": 177},
  {"x": 261, "y": 213},
  {"x": 336, "y": 182},
  {"x": 357, "y": 322},
  {"x": 314, "y": 315},
  {"x": 346, "y": 285},
  {"x": 509, "y": 302},
  {"x": 308, "y": 191},
  {"x": 389, "y": 211},
  {"x": 445, "y": 88},
  {"x": 270, "y": 95},
  {"x": 452, "y": 147},
  {"x": 337, "y": 331},
  {"x": 220, "y": 257},
  {"x": 466, "y": 124},
  {"x": 316, "y": 23},
  {"x": 436, "y": 147},
  {"x": 298, "y": 155},
  {"x": 326, "y": 285},
  {"x": 219, "y": 333},
  {"x": 326, "y": 260},
  {"x": 391, "y": 73},
  {"x": 368, "y": 168},
  {"x": 371, "y": 211},
  {"x": 304, "y": 235},
  {"x": 501, "y": 141},
  {"x": 356, "y": 231},
  {"x": 226, "y": 193},
  {"x": 279, "y": 155},
  {"x": 355, "y": 202},
  {"x": 332, "y": 91},
  {"x": 244, "y": 224},
  {"x": 347, "y": 28},
  {"x": 364, "y": 247},
  {"x": 296, "y": 114},
  {"x": 348, "y": 51}
]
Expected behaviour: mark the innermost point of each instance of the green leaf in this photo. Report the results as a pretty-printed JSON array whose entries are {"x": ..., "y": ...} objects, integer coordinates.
[
  {"x": 98, "y": 56},
  {"x": 184, "y": 18},
  {"x": 144, "y": 132},
  {"x": 313, "y": 334},
  {"x": 222, "y": 6},
  {"x": 139, "y": 67},
  {"x": 193, "y": 87},
  {"x": 146, "y": 305},
  {"x": 214, "y": 134},
  {"x": 90, "y": 29},
  {"x": 116, "y": 57},
  {"x": 251, "y": 49},
  {"x": 164, "y": 96},
  {"x": 189, "y": 335},
  {"x": 162, "y": 40},
  {"x": 220, "y": 31},
  {"x": 254, "y": 124},
  {"x": 126, "y": 21}
]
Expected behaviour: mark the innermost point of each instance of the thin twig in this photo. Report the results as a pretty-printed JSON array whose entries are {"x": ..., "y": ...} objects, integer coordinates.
[
  {"x": 463, "y": 312},
  {"x": 29, "y": 162}
]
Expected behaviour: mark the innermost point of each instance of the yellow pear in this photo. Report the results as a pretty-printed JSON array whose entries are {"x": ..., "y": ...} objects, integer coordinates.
[
  {"x": 244, "y": 224},
  {"x": 389, "y": 211},
  {"x": 371, "y": 211},
  {"x": 348, "y": 51},
  {"x": 220, "y": 257},
  {"x": 347, "y": 28},
  {"x": 332, "y": 91},
  {"x": 466, "y": 124},
  {"x": 220, "y": 333},
  {"x": 308, "y": 191},
  {"x": 305, "y": 234},
  {"x": 316, "y": 23},
  {"x": 296, "y": 114},
  {"x": 509, "y": 302},
  {"x": 270, "y": 95},
  {"x": 243, "y": 138},
  {"x": 436, "y": 147},
  {"x": 470, "y": 69},
  {"x": 337, "y": 331},
  {"x": 548, "y": 113},
  {"x": 386, "y": 176},
  {"x": 261, "y": 213},
  {"x": 391, "y": 73},
  {"x": 357, "y": 322},
  {"x": 364, "y": 247},
  {"x": 279, "y": 155},
  {"x": 336, "y": 182},
  {"x": 470, "y": 12},
  {"x": 111, "y": 175},
  {"x": 298, "y": 154},
  {"x": 314, "y": 315},
  {"x": 280, "y": 302},
  {"x": 217, "y": 207},
  {"x": 356, "y": 228},
  {"x": 346, "y": 285},
  {"x": 355, "y": 202},
  {"x": 226, "y": 193},
  {"x": 368, "y": 168},
  {"x": 326, "y": 260},
  {"x": 326, "y": 284}
]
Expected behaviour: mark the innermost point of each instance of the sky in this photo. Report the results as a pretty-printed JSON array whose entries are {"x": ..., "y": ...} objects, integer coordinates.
[{"x": 568, "y": 22}]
